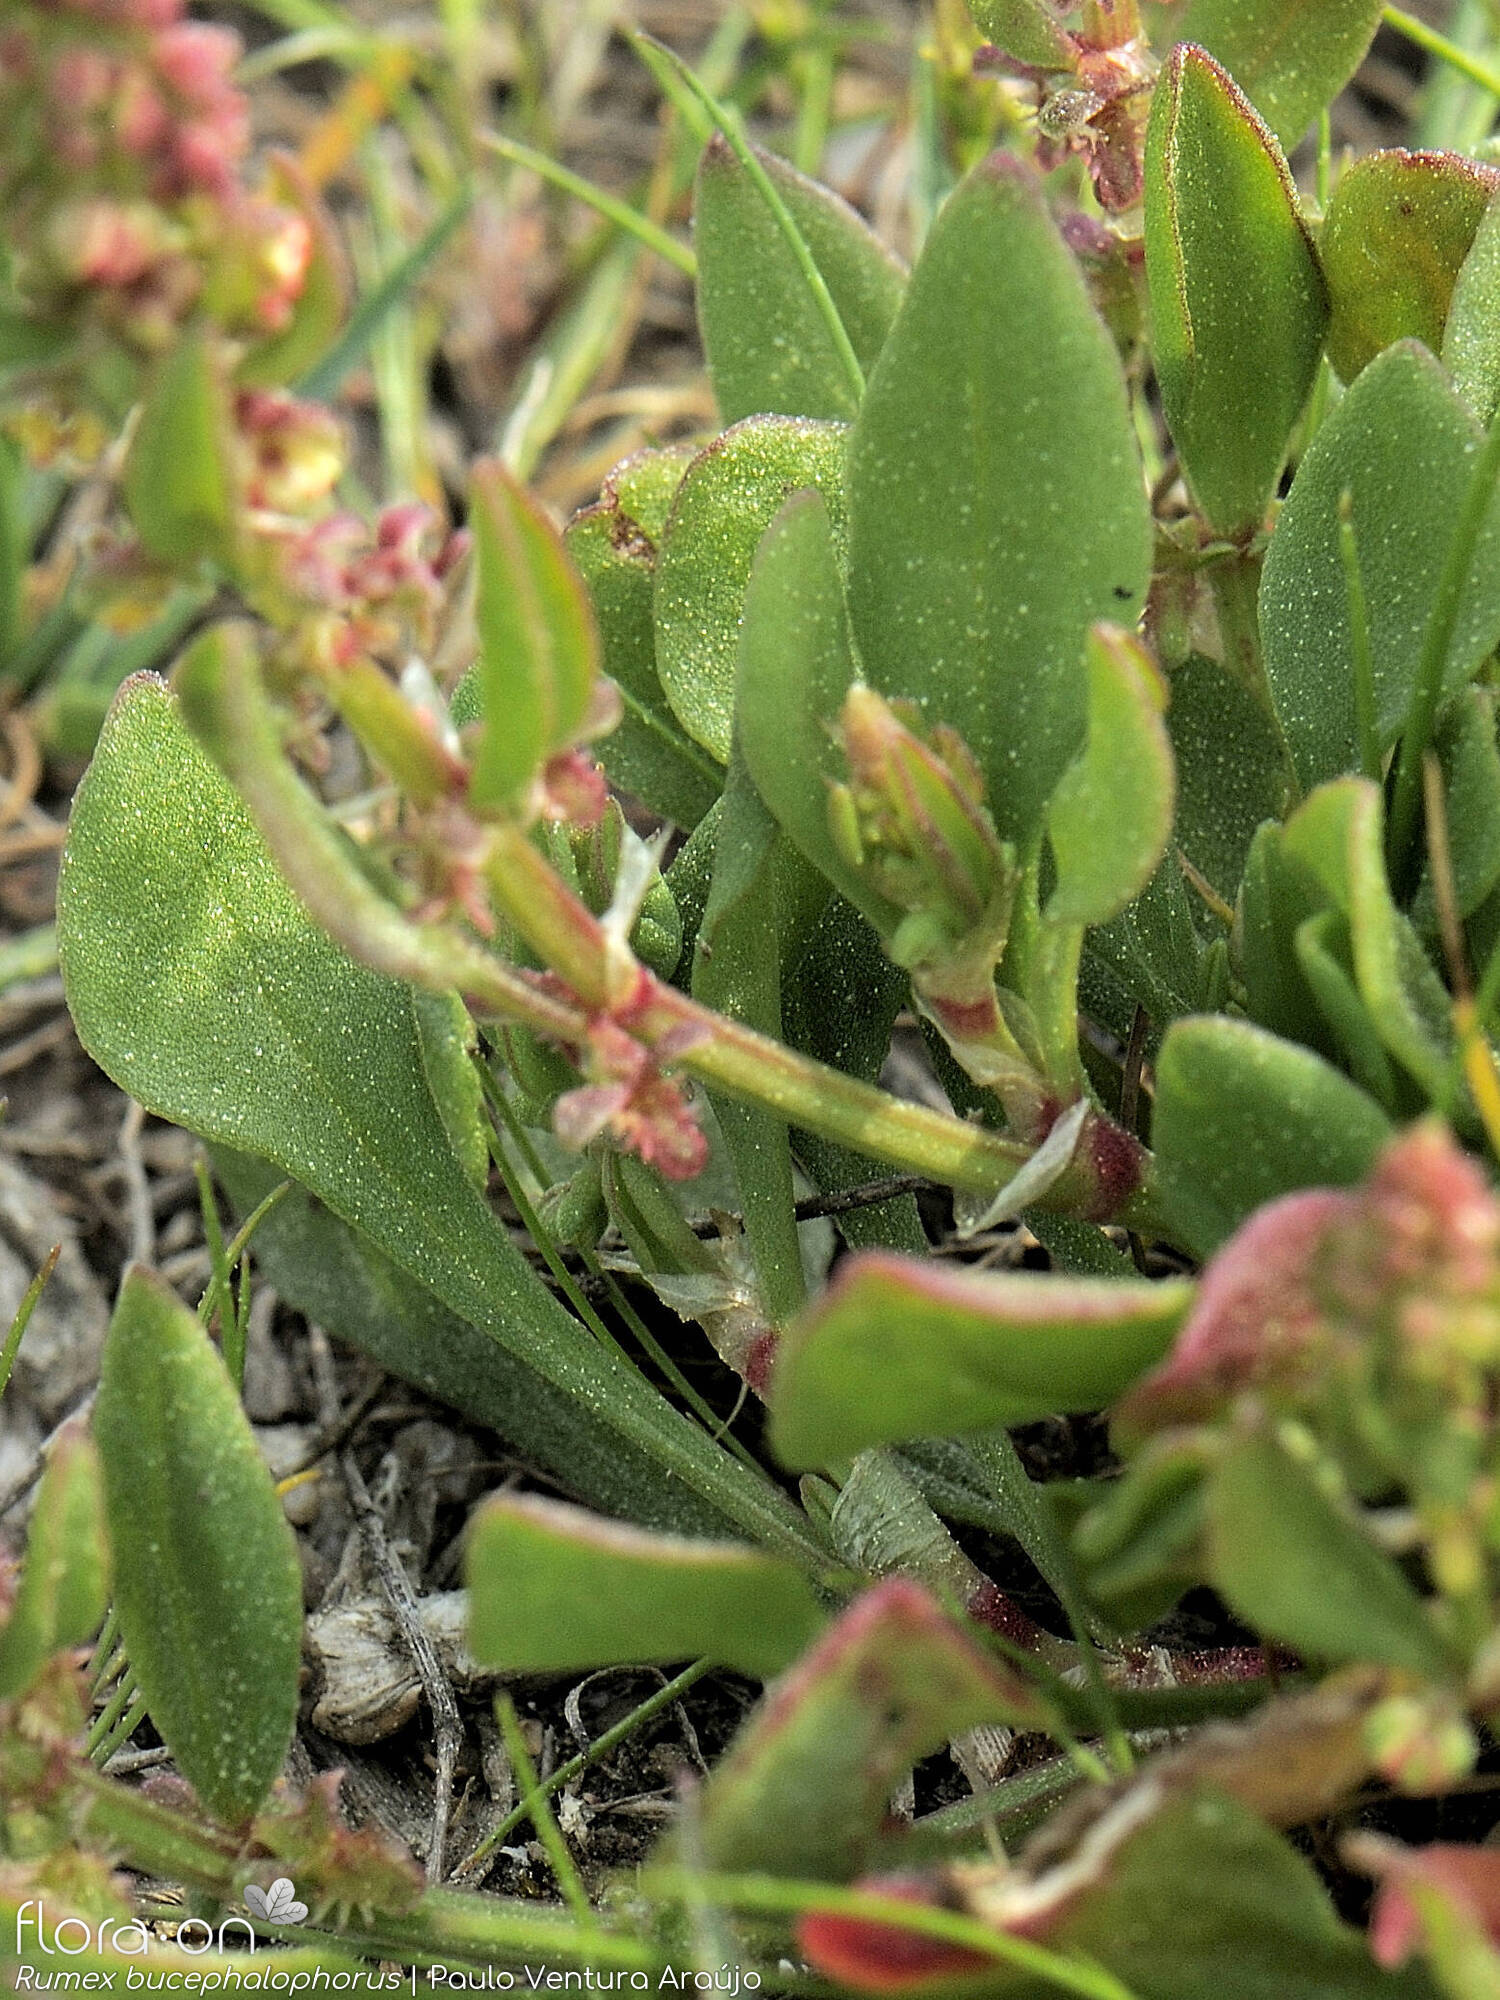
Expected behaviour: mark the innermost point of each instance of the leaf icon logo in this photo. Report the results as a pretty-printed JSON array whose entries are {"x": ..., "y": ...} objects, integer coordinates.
[{"x": 276, "y": 1905}]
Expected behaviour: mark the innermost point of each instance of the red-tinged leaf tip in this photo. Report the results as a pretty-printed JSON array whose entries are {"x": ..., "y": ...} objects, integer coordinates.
[
  {"x": 1255, "y": 1314},
  {"x": 881, "y": 1958},
  {"x": 896, "y": 1613},
  {"x": 1309, "y": 1277}
]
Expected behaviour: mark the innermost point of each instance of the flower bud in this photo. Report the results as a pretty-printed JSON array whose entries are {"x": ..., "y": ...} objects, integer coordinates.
[{"x": 912, "y": 817}]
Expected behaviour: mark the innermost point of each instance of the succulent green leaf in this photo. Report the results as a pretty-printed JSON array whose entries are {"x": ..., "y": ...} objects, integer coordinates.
[
  {"x": 1325, "y": 956},
  {"x": 1471, "y": 338},
  {"x": 1396, "y": 234},
  {"x": 1278, "y": 896},
  {"x": 997, "y": 507},
  {"x": 199, "y": 983},
  {"x": 1338, "y": 834},
  {"x": 614, "y": 545},
  {"x": 1232, "y": 772},
  {"x": 768, "y": 344},
  {"x": 1242, "y": 1117},
  {"x": 1111, "y": 814},
  {"x": 1238, "y": 307},
  {"x": 179, "y": 486},
  {"x": 206, "y": 1578},
  {"x": 1028, "y": 30},
  {"x": 898, "y": 1349},
  {"x": 555, "y": 1590},
  {"x": 803, "y": 1789},
  {"x": 729, "y": 496},
  {"x": 1402, "y": 445},
  {"x": 1152, "y": 954},
  {"x": 62, "y": 1594},
  {"x": 1290, "y": 57},
  {"x": 538, "y": 643},
  {"x": 1293, "y": 1560},
  {"x": 796, "y": 664}
]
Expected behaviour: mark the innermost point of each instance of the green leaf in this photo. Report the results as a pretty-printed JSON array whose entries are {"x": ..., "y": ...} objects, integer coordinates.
[
  {"x": 538, "y": 644},
  {"x": 206, "y": 1578},
  {"x": 1338, "y": 834},
  {"x": 1242, "y": 1117},
  {"x": 1290, "y": 57},
  {"x": 737, "y": 971},
  {"x": 1237, "y": 303},
  {"x": 1278, "y": 895},
  {"x": 768, "y": 345},
  {"x": 1471, "y": 338},
  {"x": 896, "y": 1349},
  {"x": 179, "y": 486},
  {"x": 445, "y": 1036},
  {"x": 1111, "y": 814},
  {"x": 614, "y": 545},
  {"x": 329, "y": 1271},
  {"x": 1151, "y": 954},
  {"x": 1140, "y": 1544},
  {"x": 1232, "y": 771},
  {"x": 1325, "y": 956},
  {"x": 796, "y": 664},
  {"x": 1397, "y": 231},
  {"x": 804, "y": 1788},
  {"x": 997, "y": 506},
  {"x": 555, "y": 1590},
  {"x": 1028, "y": 30},
  {"x": 1402, "y": 445},
  {"x": 62, "y": 1593},
  {"x": 197, "y": 981},
  {"x": 728, "y": 498},
  {"x": 840, "y": 1000},
  {"x": 1296, "y": 1564}
]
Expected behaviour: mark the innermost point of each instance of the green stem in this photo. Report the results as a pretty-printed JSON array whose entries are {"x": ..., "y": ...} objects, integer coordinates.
[
  {"x": 543, "y": 1818},
  {"x": 616, "y": 211},
  {"x": 777, "y": 1896},
  {"x": 600, "y": 1747},
  {"x": 1477, "y": 71},
  {"x": 443, "y": 1924},
  {"x": 1437, "y": 644},
  {"x": 225, "y": 705}
]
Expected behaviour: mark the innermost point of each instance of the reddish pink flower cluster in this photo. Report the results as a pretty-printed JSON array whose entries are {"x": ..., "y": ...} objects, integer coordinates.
[
  {"x": 1311, "y": 1279},
  {"x": 628, "y": 1098},
  {"x": 122, "y": 187},
  {"x": 164, "y": 99},
  {"x": 378, "y": 587}
]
